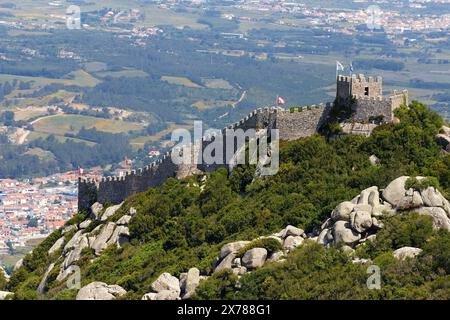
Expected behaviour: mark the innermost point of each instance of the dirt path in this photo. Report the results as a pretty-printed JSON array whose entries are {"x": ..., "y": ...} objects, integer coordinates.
[{"x": 45, "y": 117}]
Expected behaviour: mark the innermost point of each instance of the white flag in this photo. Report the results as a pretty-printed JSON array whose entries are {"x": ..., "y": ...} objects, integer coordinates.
[{"x": 339, "y": 66}]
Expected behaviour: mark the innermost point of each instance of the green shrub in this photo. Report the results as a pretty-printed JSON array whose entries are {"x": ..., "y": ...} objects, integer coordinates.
[
  {"x": 221, "y": 285},
  {"x": 402, "y": 230},
  {"x": 270, "y": 244},
  {"x": 421, "y": 184}
]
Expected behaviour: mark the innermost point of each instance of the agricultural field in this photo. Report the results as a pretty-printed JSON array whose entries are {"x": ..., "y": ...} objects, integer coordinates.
[{"x": 71, "y": 124}]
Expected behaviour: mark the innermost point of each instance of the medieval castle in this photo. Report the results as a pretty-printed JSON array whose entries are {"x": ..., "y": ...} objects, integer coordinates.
[{"x": 365, "y": 97}]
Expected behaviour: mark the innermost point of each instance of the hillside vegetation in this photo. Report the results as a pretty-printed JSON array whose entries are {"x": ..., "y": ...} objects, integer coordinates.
[{"x": 184, "y": 223}]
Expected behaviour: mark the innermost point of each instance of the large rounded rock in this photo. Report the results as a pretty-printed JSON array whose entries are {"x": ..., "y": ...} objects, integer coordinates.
[
  {"x": 395, "y": 191},
  {"x": 120, "y": 236},
  {"x": 407, "y": 252},
  {"x": 100, "y": 242},
  {"x": 342, "y": 211},
  {"x": 323, "y": 238},
  {"x": 361, "y": 221},
  {"x": 192, "y": 282},
  {"x": 100, "y": 291},
  {"x": 84, "y": 224},
  {"x": 226, "y": 263},
  {"x": 440, "y": 219},
  {"x": 18, "y": 265},
  {"x": 163, "y": 295},
  {"x": 344, "y": 234},
  {"x": 110, "y": 211},
  {"x": 292, "y": 242},
  {"x": 254, "y": 258},
  {"x": 43, "y": 283},
  {"x": 382, "y": 209},
  {"x": 73, "y": 241},
  {"x": 290, "y": 231},
  {"x": 96, "y": 210},
  {"x": 166, "y": 282},
  {"x": 369, "y": 196},
  {"x": 232, "y": 247},
  {"x": 75, "y": 254},
  {"x": 56, "y": 246},
  {"x": 433, "y": 198},
  {"x": 124, "y": 220}
]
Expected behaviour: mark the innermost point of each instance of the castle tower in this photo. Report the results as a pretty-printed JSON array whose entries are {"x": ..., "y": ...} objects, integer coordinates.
[{"x": 358, "y": 87}]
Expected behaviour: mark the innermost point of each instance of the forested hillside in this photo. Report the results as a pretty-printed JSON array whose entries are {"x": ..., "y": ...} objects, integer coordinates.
[{"x": 184, "y": 223}]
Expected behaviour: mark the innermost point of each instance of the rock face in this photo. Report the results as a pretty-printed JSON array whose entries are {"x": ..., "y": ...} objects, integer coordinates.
[
  {"x": 192, "y": 282},
  {"x": 18, "y": 265},
  {"x": 344, "y": 234},
  {"x": 43, "y": 282},
  {"x": 96, "y": 210},
  {"x": 167, "y": 287},
  {"x": 166, "y": 282},
  {"x": 226, "y": 263},
  {"x": 56, "y": 246},
  {"x": 100, "y": 242},
  {"x": 290, "y": 231},
  {"x": 254, "y": 258},
  {"x": 395, "y": 191},
  {"x": 124, "y": 221},
  {"x": 291, "y": 242},
  {"x": 444, "y": 138},
  {"x": 100, "y": 291},
  {"x": 110, "y": 211},
  {"x": 163, "y": 295},
  {"x": 354, "y": 222},
  {"x": 232, "y": 247},
  {"x": 407, "y": 252}
]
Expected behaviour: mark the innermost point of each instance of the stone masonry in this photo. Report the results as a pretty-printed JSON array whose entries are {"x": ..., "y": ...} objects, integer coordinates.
[{"x": 364, "y": 96}]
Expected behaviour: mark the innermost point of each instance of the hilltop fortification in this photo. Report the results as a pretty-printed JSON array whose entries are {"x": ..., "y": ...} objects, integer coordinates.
[{"x": 364, "y": 97}]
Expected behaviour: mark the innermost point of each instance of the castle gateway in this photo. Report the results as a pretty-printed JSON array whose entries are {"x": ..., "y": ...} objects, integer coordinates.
[{"x": 364, "y": 97}]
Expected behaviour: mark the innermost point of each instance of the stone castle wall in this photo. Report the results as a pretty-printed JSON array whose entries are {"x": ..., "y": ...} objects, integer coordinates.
[
  {"x": 367, "y": 102},
  {"x": 365, "y": 108},
  {"x": 113, "y": 190}
]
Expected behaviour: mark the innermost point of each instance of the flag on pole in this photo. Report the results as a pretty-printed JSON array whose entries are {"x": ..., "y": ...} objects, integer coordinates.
[
  {"x": 351, "y": 67},
  {"x": 339, "y": 66},
  {"x": 280, "y": 101}
]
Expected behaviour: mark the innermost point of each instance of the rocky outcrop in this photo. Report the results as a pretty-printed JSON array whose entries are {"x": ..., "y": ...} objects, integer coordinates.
[
  {"x": 444, "y": 138},
  {"x": 254, "y": 258},
  {"x": 407, "y": 253},
  {"x": 18, "y": 265},
  {"x": 100, "y": 291},
  {"x": 232, "y": 247},
  {"x": 356, "y": 221},
  {"x": 100, "y": 242},
  {"x": 166, "y": 282},
  {"x": 190, "y": 283},
  {"x": 56, "y": 246},
  {"x": 105, "y": 234},
  {"x": 110, "y": 211},
  {"x": 166, "y": 287},
  {"x": 43, "y": 282},
  {"x": 96, "y": 210}
]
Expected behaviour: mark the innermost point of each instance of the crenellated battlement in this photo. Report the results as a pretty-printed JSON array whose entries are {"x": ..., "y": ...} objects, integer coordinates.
[{"x": 364, "y": 95}]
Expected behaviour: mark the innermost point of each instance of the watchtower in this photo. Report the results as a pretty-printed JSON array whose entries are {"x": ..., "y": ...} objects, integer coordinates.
[{"x": 358, "y": 87}]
